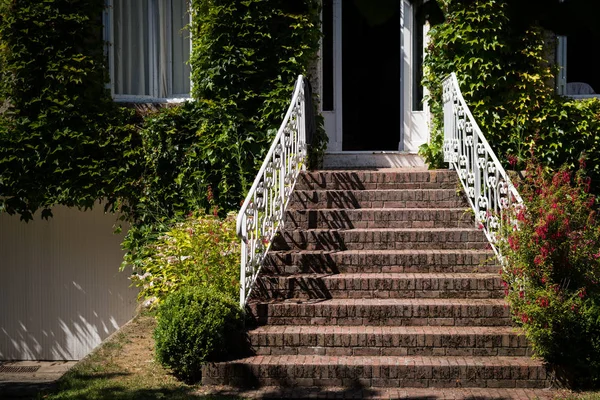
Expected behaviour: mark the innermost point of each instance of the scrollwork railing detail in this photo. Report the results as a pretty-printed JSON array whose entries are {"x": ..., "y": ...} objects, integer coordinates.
[
  {"x": 263, "y": 210},
  {"x": 488, "y": 188}
]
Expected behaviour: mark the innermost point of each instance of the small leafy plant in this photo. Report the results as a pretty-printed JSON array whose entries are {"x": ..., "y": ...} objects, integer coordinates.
[
  {"x": 552, "y": 271},
  {"x": 202, "y": 252},
  {"x": 197, "y": 325}
]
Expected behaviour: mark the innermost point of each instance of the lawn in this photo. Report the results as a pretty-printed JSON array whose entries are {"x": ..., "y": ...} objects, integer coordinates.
[{"x": 124, "y": 368}]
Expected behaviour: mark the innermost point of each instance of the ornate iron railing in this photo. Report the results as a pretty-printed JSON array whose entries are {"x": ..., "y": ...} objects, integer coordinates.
[
  {"x": 263, "y": 211},
  {"x": 488, "y": 187}
]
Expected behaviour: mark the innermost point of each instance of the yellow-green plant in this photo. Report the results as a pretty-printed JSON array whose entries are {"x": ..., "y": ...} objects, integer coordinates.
[{"x": 202, "y": 251}]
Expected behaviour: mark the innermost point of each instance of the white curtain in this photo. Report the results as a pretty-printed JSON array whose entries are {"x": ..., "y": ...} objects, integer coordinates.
[
  {"x": 131, "y": 47},
  {"x": 151, "y": 48},
  {"x": 181, "y": 48}
]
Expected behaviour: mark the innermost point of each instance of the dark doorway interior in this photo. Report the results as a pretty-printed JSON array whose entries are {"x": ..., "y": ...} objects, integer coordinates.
[{"x": 371, "y": 74}]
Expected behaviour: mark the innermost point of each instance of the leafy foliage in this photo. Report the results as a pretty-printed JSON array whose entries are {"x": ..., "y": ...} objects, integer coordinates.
[
  {"x": 62, "y": 140},
  {"x": 202, "y": 252},
  {"x": 553, "y": 271},
  {"x": 501, "y": 69},
  {"x": 246, "y": 57},
  {"x": 196, "y": 326},
  {"x": 248, "y": 54},
  {"x": 500, "y": 58},
  {"x": 570, "y": 130}
]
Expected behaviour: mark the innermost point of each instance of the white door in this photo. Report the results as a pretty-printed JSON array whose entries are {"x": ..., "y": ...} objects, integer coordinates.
[{"x": 371, "y": 94}]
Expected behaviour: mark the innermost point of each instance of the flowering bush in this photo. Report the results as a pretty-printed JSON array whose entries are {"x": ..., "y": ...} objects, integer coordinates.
[
  {"x": 553, "y": 269},
  {"x": 202, "y": 251}
]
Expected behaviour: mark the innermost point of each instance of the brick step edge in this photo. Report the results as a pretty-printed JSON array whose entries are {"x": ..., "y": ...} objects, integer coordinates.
[
  {"x": 378, "y": 312},
  {"x": 382, "y": 198},
  {"x": 389, "y": 341},
  {"x": 406, "y": 259},
  {"x": 490, "y": 372},
  {"x": 277, "y": 392},
  {"x": 381, "y": 239},
  {"x": 379, "y": 285},
  {"x": 379, "y": 218}
]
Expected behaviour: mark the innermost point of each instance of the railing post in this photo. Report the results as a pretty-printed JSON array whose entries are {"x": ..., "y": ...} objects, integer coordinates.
[{"x": 244, "y": 260}]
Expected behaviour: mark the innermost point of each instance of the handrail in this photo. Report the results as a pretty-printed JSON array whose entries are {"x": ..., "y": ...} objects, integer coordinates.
[
  {"x": 487, "y": 185},
  {"x": 263, "y": 210}
]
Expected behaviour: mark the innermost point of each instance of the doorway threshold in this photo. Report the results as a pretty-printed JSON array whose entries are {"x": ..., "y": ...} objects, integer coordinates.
[{"x": 372, "y": 159}]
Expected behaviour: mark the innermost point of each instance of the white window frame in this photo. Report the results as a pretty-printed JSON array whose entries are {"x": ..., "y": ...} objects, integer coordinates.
[
  {"x": 561, "y": 80},
  {"x": 108, "y": 32}
]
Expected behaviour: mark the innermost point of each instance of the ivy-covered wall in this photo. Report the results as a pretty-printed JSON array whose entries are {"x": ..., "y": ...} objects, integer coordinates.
[
  {"x": 503, "y": 60},
  {"x": 64, "y": 141}
]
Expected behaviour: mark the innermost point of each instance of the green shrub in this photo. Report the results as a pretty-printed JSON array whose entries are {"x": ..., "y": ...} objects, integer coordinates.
[
  {"x": 202, "y": 252},
  {"x": 570, "y": 130},
  {"x": 195, "y": 326},
  {"x": 552, "y": 272}
]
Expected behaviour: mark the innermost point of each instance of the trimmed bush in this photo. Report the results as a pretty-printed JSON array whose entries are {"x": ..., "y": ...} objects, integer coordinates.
[{"x": 196, "y": 326}]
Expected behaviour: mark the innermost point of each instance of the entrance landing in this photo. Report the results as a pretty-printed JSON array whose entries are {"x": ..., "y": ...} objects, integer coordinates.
[{"x": 372, "y": 159}]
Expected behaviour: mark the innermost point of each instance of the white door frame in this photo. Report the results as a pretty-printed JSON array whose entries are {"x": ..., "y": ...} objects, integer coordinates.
[{"x": 409, "y": 119}]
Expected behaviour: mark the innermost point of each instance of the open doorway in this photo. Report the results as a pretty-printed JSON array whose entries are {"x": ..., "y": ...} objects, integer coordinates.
[{"x": 371, "y": 72}]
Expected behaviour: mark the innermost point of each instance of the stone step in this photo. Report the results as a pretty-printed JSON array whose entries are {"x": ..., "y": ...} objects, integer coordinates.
[
  {"x": 384, "y": 371},
  {"x": 384, "y": 393},
  {"x": 377, "y": 261},
  {"x": 381, "y": 239},
  {"x": 380, "y": 218},
  {"x": 372, "y": 180},
  {"x": 391, "y": 312},
  {"x": 348, "y": 199},
  {"x": 379, "y": 285},
  {"x": 388, "y": 341}
]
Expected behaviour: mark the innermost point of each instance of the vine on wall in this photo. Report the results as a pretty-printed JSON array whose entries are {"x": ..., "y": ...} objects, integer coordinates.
[
  {"x": 501, "y": 59},
  {"x": 62, "y": 140}
]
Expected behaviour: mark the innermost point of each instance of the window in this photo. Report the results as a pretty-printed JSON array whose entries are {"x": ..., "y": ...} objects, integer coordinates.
[
  {"x": 578, "y": 63},
  {"x": 148, "y": 48}
]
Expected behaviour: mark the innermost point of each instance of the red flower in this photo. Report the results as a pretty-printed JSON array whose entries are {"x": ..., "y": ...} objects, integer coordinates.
[{"x": 513, "y": 242}]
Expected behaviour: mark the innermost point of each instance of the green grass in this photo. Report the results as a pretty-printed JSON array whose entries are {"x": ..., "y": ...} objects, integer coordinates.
[{"x": 124, "y": 368}]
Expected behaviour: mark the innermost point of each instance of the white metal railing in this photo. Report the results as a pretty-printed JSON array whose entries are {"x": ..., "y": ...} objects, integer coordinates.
[
  {"x": 263, "y": 211},
  {"x": 488, "y": 187}
]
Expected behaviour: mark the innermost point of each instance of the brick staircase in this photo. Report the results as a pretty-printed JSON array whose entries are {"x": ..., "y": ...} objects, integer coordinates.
[{"x": 380, "y": 279}]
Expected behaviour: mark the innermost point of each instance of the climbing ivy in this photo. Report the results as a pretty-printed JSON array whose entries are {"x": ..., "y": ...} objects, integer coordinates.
[
  {"x": 503, "y": 62},
  {"x": 249, "y": 54},
  {"x": 501, "y": 68},
  {"x": 62, "y": 140}
]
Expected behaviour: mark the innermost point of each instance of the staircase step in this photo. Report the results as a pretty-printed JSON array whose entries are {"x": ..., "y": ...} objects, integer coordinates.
[
  {"x": 370, "y": 180},
  {"x": 410, "y": 198},
  {"x": 392, "y": 312},
  {"x": 379, "y": 285},
  {"x": 384, "y": 371},
  {"x": 380, "y": 218},
  {"x": 384, "y": 393},
  {"x": 377, "y": 261},
  {"x": 381, "y": 239},
  {"x": 388, "y": 341}
]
